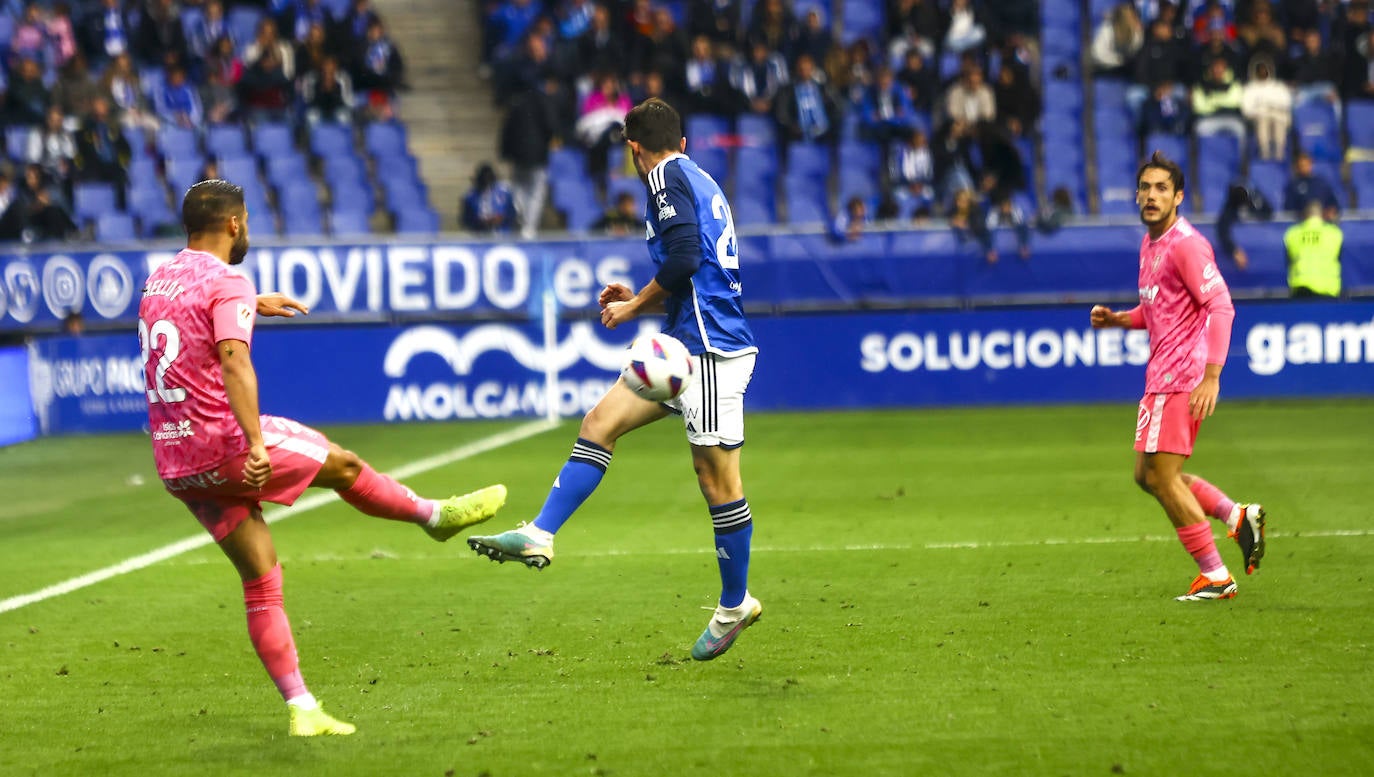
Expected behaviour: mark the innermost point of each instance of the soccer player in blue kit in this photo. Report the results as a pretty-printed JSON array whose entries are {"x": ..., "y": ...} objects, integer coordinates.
[{"x": 697, "y": 287}]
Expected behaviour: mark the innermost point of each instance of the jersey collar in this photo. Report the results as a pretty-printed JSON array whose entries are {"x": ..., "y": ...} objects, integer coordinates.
[{"x": 675, "y": 155}]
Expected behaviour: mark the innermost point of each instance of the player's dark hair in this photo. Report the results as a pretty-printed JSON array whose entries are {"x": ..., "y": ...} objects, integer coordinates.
[
  {"x": 208, "y": 204},
  {"x": 654, "y": 125},
  {"x": 1158, "y": 161}
]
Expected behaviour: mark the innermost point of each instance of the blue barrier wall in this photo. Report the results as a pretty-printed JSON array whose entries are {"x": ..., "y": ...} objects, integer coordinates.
[
  {"x": 813, "y": 361},
  {"x": 393, "y": 281},
  {"x": 17, "y": 422}
]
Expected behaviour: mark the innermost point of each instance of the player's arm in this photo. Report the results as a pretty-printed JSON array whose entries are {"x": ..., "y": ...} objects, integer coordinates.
[
  {"x": 278, "y": 304},
  {"x": 650, "y": 299},
  {"x": 1203, "y": 280},
  {"x": 681, "y": 238},
  {"x": 1103, "y": 317},
  {"x": 241, "y": 386}
]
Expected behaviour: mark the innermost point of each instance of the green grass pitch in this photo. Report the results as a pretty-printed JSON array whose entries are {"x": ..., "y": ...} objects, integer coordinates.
[{"x": 961, "y": 592}]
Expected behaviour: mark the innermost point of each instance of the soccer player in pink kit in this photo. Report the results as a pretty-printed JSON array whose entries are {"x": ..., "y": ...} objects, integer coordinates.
[
  {"x": 1185, "y": 305},
  {"x": 222, "y": 459}
]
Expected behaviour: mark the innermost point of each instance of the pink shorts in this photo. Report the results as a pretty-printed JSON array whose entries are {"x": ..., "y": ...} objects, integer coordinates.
[
  {"x": 220, "y": 500},
  {"x": 1165, "y": 424}
]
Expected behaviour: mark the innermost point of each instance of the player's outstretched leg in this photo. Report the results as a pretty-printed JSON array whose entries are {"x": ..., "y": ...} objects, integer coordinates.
[
  {"x": 727, "y": 623},
  {"x": 381, "y": 496},
  {"x": 532, "y": 544},
  {"x": 734, "y": 531},
  {"x": 1244, "y": 522},
  {"x": 459, "y": 512}
]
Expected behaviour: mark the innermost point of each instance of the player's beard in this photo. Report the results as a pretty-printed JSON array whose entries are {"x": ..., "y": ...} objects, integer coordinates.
[
  {"x": 239, "y": 250},
  {"x": 1161, "y": 216}
]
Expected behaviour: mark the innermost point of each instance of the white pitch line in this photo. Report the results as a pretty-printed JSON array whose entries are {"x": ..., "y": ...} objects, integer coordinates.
[{"x": 272, "y": 516}]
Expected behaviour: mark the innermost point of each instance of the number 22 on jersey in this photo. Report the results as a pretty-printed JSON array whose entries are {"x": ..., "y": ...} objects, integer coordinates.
[{"x": 171, "y": 348}]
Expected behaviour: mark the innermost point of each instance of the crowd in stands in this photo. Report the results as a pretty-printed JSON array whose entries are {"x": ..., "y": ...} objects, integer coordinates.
[
  {"x": 1245, "y": 87},
  {"x": 105, "y": 104},
  {"x": 901, "y": 107}
]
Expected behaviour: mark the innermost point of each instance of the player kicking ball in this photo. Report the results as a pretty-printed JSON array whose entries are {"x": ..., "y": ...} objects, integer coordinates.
[
  {"x": 1186, "y": 307},
  {"x": 692, "y": 242},
  {"x": 221, "y": 458}
]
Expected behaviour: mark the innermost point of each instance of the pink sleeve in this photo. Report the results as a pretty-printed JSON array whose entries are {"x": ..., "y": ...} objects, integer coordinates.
[
  {"x": 1220, "y": 314},
  {"x": 1137, "y": 315},
  {"x": 233, "y": 304},
  {"x": 1194, "y": 261}
]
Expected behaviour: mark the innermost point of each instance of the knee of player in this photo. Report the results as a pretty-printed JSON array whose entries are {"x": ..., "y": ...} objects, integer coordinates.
[
  {"x": 347, "y": 465},
  {"x": 1151, "y": 480}
]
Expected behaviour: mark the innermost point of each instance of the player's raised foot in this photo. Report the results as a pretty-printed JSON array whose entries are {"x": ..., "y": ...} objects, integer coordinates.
[
  {"x": 727, "y": 623},
  {"x": 317, "y": 722},
  {"x": 459, "y": 512},
  {"x": 1205, "y": 590},
  {"x": 1249, "y": 535},
  {"x": 526, "y": 544}
]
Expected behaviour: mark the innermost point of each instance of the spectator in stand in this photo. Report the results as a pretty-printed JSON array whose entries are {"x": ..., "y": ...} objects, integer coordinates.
[
  {"x": 915, "y": 23},
  {"x": 912, "y": 176},
  {"x": 849, "y": 225},
  {"x": 1005, "y": 214},
  {"x": 1306, "y": 185},
  {"x": 488, "y": 207},
  {"x": 161, "y": 38},
  {"x": 666, "y": 51},
  {"x": 1261, "y": 34},
  {"x": 774, "y": 26},
  {"x": 30, "y": 37},
  {"x": 507, "y": 26},
  {"x": 852, "y": 73},
  {"x": 53, "y": 148},
  {"x": 61, "y": 34},
  {"x": 45, "y": 215},
  {"x": 1268, "y": 103},
  {"x": 969, "y": 222},
  {"x": 1347, "y": 32},
  {"x": 1017, "y": 101},
  {"x": 1217, "y": 101},
  {"x": 381, "y": 74},
  {"x": 717, "y": 20},
  {"x": 1217, "y": 47},
  {"x": 1300, "y": 17},
  {"x": 350, "y": 34},
  {"x": 964, "y": 32},
  {"x": 1212, "y": 16},
  {"x": 311, "y": 52},
  {"x": 806, "y": 111},
  {"x": 102, "y": 152},
  {"x": 814, "y": 38},
  {"x": 1117, "y": 41},
  {"x": 527, "y": 134},
  {"x": 1059, "y": 213},
  {"x": 106, "y": 33},
  {"x": 12, "y": 211},
  {"x": 1162, "y": 59},
  {"x": 1165, "y": 113},
  {"x": 574, "y": 19},
  {"x": 600, "y": 50},
  {"x": 75, "y": 89},
  {"x": 122, "y": 83},
  {"x": 203, "y": 31},
  {"x": 267, "y": 40},
  {"x": 1002, "y": 170},
  {"x": 265, "y": 91},
  {"x": 759, "y": 78},
  {"x": 1242, "y": 201},
  {"x": 707, "y": 81},
  {"x": 27, "y": 98},
  {"x": 328, "y": 95},
  {"x": 1358, "y": 82},
  {"x": 599, "y": 123},
  {"x": 527, "y": 69},
  {"x": 223, "y": 71},
  {"x": 1314, "y": 256},
  {"x": 296, "y": 19},
  {"x": 886, "y": 112},
  {"x": 1313, "y": 72},
  {"x": 922, "y": 84},
  {"x": 625, "y": 218},
  {"x": 970, "y": 102},
  {"x": 177, "y": 104}
]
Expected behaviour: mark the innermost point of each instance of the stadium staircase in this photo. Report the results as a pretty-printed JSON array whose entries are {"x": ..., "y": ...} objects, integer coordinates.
[{"x": 448, "y": 111}]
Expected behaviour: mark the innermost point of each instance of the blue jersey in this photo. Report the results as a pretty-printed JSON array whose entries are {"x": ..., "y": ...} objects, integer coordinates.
[{"x": 708, "y": 315}]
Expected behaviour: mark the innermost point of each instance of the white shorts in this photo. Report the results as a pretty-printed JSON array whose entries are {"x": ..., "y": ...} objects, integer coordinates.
[{"x": 712, "y": 408}]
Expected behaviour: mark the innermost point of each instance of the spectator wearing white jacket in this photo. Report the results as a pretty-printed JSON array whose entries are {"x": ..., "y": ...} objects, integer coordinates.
[
  {"x": 1268, "y": 103},
  {"x": 1119, "y": 37}
]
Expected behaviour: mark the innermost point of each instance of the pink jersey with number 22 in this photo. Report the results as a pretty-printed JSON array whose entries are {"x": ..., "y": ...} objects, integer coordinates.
[
  {"x": 190, "y": 304},
  {"x": 1178, "y": 278}
]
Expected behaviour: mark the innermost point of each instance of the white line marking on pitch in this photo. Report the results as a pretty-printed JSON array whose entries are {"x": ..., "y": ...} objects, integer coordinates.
[{"x": 272, "y": 516}]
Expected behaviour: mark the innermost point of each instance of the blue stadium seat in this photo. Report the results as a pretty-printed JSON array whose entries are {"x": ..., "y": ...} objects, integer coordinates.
[
  {"x": 150, "y": 207},
  {"x": 352, "y": 195},
  {"x": 567, "y": 163},
  {"x": 349, "y": 222},
  {"x": 261, "y": 223},
  {"x": 328, "y": 140},
  {"x": 861, "y": 19},
  {"x": 92, "y": 200},
  {"x": 857, "y": 183},
  {"x": 757, "y": 164},
  {"x": 716, "y": 163},
  {"x": 1270, "y": 178},
  {"x": 631, "y": 186},
  {"x": 282, "y": 170},
  {"x": 418, "y": 221},
  {"x": 344, "y": 168},
  {"x": 143, "y": 172},
  {"x": 753, "y": 211},
  {"x": 861, "y": 156},
  {"x": 305, "y": 223},
  {"x": 1359, "y": 123},
  {"x": 754, "y": 130},
  {"x": 807, "y": 208},
  {"x": 272, "y": 139},
  {"x": 1058, "y": 39},
  {"x": 226, "y": 140},
  {"x": 178, "y": 143},
  {"x": 112, "y": 227},
  {"x": 1315, "y": 124},
  {"x": 1362, "y": 177},
  {"x": 384, "y": 139},
  {"x": 705, "y": 131},
  {"x": 17, "y": 141},
  {"x": 1172, "y": 146},
  {"x": 243, "y": 23},
  {"x": 240, "y": 170},
  {"x": 808, "y": 160},
  {"x": 1221, "y": 150},
  {"x": 403, "y": 198}
]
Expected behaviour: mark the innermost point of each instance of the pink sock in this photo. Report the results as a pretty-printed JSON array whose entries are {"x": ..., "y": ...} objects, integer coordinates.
[
  {"x": 271, "y": 633},
  {"x": 381, "y": 496},
  {"x": 1197, "y": 540},
  {"x": 1214, "y": 503}
]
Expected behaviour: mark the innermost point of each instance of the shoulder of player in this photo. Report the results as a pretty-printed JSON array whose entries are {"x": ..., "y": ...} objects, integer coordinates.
[{"x": 669, "y": 175}]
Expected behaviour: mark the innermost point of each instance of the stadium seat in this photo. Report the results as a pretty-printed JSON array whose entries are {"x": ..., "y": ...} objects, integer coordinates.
[
  {"x": 1270, "y": 178},
  {"x": 271, "y": 139},
  {"x": 305, "y": 223},
  {"x": 240, "y": 170},
  {"x": 807, "y": 208},
  {"x": 861, "y": 156},
  {"x": 328, "y": 140},
  {"x": 419, "y": 221},
  {"x": 178, "y": 143},
  {"x": 282, "y": 170},
  {"x": 342, "y": 168},
  {"x": 861, "y": 19},
  {"x": 808, "y": 161},
  {"x": 705, "y": 131},
  {"x": 1220, "y": 150},
  {"x": 349, "y": 222},
  {"x": 142, "y": 171},
  {"x": 352, "y": 195},
  {"x": 226, "y": 140},
  {"x": 17, "y": 141},
  {"x": 567, "y": 163},
  {"x": 150, "y": 207},
  {"x": 261, "y": 223},
  {"x": 384, "y": 139},
  {"x": 716, "y": 163},
  {"x": 92, "y": 200},
  {"x": 1359, "y": 123},
  {"x": 757, "y": 164},
  {"x": 1314, "y": 122},
  {"x": 753, "y": 211},
  {"x": 111, "y": 227},
  {"x": 243, "y": 23},
  {"x": 1172, "y": 146},
  {"x": 756, "y": 131}
]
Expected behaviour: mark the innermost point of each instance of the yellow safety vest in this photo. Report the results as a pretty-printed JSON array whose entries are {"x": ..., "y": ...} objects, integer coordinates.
[{"x": 1314, "y": 256}]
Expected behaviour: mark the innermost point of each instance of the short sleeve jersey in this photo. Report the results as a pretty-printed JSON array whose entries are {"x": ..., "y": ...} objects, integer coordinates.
[
  {"x": 190, "y": 304},
  {"x": 1178, "y": 277},
  {"x": 708, "y": 316}
]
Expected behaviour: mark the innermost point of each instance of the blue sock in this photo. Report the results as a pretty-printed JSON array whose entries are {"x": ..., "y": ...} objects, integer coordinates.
[
  {"x": 575, "y": 482},
  {"x": 734, "y": 531}
]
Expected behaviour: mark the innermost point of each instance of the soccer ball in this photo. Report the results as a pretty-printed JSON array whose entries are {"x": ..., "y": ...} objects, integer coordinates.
[{"x": 658, "y": 367}]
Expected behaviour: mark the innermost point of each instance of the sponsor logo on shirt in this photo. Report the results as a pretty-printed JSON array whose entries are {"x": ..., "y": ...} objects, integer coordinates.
[
  {"x": 245, "y": 314},
  {"x": 174, "y": 430},
  {"x": 1148, "y": 293},
  {"x": 665, "y": 210},
  {"x": 1210, "y": 278}
]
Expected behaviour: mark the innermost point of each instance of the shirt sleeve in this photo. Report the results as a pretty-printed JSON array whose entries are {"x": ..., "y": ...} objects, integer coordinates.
[
  {"x": 673, "y": 202},
  {"x": 233, "y": 306},
  {"x": 1197, "y": 266}
]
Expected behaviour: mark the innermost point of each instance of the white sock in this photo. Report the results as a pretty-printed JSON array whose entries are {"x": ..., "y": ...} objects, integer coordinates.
[
  {"x": 305, "y": 702},
  {"x": 433, "y": 519},
  {"x": 1219, "y": 575},
  {"x": 537, "y": 534},
  {"x": 1233, "y": 520}
]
